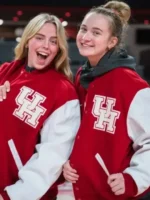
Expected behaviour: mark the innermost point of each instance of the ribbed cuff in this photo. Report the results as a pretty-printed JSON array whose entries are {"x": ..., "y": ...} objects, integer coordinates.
[
  {"x": 130, "y": 186},
  {"x": 5, "y": 195}
]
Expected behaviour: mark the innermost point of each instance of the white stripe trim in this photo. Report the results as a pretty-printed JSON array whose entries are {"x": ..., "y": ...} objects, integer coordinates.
[{"x": 15, "y": 154}]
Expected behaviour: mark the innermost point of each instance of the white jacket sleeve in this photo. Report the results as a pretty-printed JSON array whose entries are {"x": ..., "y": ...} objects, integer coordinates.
[
  {"x": 138, "y": 124},
  {"x": 45, "y": 166}
]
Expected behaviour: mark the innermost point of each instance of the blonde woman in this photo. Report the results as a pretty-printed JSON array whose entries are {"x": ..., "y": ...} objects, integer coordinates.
[{"x": 41, "y": 105}]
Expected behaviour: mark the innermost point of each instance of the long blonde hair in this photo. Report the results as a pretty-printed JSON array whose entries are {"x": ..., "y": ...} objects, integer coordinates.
[{"x": 61, "y": 61}]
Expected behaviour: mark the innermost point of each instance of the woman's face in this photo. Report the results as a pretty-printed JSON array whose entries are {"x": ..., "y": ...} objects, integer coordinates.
[
  {"x": 94, "y": 37},
  {"x": 43, "y": 47}
]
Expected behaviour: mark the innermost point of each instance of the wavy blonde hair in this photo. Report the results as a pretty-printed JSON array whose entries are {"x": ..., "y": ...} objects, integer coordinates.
[{"x": 61, "y": 60}]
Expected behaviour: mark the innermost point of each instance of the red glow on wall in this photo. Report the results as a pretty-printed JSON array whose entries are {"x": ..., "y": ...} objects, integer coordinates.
[
  {"x": 19, "y": 12},
  {"x": 146, "y": 21},
  {"x": 67, "y": 14},
  {"x": 15, "y": 19}
]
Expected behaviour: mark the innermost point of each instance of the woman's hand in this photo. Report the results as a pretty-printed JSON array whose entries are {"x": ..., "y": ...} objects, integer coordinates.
[
  {"x": 1, "y": 198},
  {"x": 117, "y": 183},
  {"x": 3, "y": 90},
  {"x": 69, "y": 173}
]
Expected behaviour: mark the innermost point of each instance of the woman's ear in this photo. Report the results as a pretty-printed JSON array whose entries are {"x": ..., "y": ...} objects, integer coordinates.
[{"x": 113, "y": 42}]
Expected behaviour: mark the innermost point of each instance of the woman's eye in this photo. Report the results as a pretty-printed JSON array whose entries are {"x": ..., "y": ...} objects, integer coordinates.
[
  {"x": 39, "y": 38},
  {"x": 96, "y": 33},
  {"x": 83, "y": 29},
  {"x": 54, "y": 41}
]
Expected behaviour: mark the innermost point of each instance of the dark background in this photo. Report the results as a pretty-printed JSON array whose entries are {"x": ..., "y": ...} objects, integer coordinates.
[{"x": 83, "y": 3}]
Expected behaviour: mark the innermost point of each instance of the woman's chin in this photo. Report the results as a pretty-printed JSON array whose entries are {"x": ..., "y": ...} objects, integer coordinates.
[{"x": 84, "y": 53}]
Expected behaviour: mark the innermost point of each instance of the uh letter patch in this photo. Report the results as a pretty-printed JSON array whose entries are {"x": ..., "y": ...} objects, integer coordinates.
[
  {"x": 106, "y": 115},
  {"x": 29, "y": 109}
]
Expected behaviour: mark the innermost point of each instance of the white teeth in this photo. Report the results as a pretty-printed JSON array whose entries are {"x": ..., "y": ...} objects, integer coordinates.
[
  {"x": 42, "y": 53},
  {"x": 85, "y": 45}
]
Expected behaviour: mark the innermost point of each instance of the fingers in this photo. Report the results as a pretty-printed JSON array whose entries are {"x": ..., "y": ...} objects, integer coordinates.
[
  {"x": 113, "y": 177},
  {"x": 2, "y": 93},
  {"x": 69, "y": 173},
  {"x": 1, "y": 198},
  {"x": 67, "y": 167},
  {"x": 120, "y": 192},
  {"x": 71, "y": 177},
  {"x": 117, "y": 183},
  {"x": 7, "y": 85},
  {"x": 3, "y": 90}
]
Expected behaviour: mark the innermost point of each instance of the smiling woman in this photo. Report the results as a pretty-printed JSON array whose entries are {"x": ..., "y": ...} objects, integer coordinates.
[
  {"x": 43, "y": 47},
  {"x": 110, "y": 157},
  {"x": 55, "y": 41},
  {"x": 41, "y": 105},
  {"x": 94, "y": 41}
]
